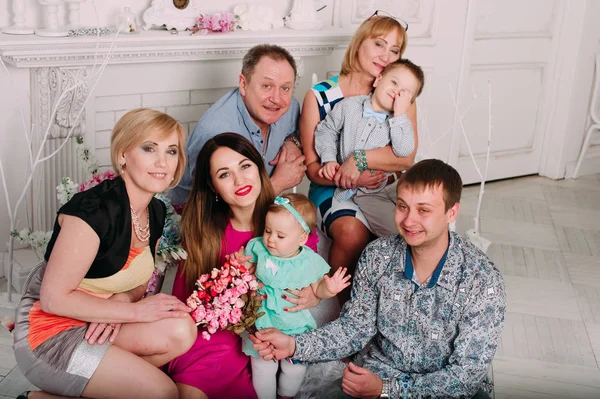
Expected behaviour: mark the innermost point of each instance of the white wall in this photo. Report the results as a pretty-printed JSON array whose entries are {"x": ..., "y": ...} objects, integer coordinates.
[
  {"x": 503, "y": 40},
  {"x": 108, "y": 9},
  {"x": 576, "y": 95}
]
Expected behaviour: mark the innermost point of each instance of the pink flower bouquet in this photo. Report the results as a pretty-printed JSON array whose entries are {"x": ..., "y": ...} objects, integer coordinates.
[{"x": 225, "y": 300}]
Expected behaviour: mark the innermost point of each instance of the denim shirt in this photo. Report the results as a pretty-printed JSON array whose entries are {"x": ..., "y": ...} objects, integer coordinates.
[
  {"x": 432, "y": 340},
  {"x": 229, "y": 114}
]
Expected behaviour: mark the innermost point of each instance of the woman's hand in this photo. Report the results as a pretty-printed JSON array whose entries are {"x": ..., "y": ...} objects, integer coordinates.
[
  {"x": 100, "y": 332},
  {"x": 303, "y": 299},
  {"x": 371, "y": 180},
  {"x": 347, "y": 175},
  {"x": 158, "y": 307}
]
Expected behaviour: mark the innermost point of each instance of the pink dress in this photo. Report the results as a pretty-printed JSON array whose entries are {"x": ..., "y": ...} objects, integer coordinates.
[{"x": 218, "y": 367}]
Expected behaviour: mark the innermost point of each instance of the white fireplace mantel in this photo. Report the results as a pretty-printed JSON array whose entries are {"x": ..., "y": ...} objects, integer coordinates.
[{"x": 161, "y": 46}]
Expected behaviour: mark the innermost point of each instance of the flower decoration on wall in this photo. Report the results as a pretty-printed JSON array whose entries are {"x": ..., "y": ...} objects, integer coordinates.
[{"x": 222, "y": 21}]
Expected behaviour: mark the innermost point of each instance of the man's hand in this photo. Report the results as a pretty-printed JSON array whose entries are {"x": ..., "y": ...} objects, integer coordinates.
[
  {"x": 288, "y": 172},
  {"x": 359, "y": 382},
  {"x": 303, "y": 299},
  {"x": 328, "y": 170},
  {"x": 402, "y": 101},
  {"x": 270, "y": 343},
  {"x": 292, "y": 150}
]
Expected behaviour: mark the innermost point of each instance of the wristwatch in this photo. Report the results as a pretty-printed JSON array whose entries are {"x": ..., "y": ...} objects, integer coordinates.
[
  {"x": 294, "y": 139},
  {"x": 385, "y": 389}
]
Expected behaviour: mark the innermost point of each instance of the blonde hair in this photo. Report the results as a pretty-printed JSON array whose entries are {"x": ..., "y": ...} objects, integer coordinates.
[
  {"x": 135, "y": 126},
  {"x": 375, "y": 26},
  {"x": 302, "y": 205}
]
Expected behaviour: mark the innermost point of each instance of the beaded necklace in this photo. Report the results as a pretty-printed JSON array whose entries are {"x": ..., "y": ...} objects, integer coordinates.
[{"x": 142, "y": 233}]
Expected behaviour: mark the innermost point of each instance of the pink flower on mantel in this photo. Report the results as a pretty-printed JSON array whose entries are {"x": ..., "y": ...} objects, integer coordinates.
[{"x": 222, "y": 21}]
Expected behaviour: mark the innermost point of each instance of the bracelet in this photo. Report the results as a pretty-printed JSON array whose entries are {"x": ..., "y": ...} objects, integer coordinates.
[
  {"x": 361, "y": 160},
  {"x": 385, "y": 389},
  {"x": 294, "y": 139}
]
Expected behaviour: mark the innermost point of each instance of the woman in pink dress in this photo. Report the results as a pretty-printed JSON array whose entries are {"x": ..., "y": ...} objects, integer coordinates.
[{"x": 227, "y": 206}]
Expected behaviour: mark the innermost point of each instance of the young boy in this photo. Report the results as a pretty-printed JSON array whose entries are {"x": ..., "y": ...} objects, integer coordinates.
[{"x": 362, "y": 123}]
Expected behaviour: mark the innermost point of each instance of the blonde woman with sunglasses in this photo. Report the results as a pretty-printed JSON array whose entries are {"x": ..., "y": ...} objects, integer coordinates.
[{"x": 379, "y": 41}]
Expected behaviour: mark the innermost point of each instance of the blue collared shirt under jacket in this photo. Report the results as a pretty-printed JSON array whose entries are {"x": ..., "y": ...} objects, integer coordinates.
[
  {"x": 229, "y": 114},
  {"x": 434, "y": 339}
]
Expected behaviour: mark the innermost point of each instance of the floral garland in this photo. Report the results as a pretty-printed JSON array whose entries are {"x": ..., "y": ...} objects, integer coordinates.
[
  {"x": 223, "y": 21},
  {"x": 169, "y": 251}
]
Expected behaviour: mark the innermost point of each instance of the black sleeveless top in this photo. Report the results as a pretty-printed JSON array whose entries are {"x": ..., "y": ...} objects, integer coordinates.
[{"x": 105, "y": 208}]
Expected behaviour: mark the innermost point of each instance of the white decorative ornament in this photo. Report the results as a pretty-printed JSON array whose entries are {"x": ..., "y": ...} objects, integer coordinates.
[
  {"x": 52, "y": 28},
  {"x": 255, "y": 17},
  {"x": 74, "y": 6},
  {"x": 19, "y": 27},
  {"x": 174, "y": 14},
  {"x": 303, "y": 15}
]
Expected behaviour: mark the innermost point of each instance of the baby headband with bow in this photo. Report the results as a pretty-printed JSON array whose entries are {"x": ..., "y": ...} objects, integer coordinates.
[{"x": 285, "y": 202}]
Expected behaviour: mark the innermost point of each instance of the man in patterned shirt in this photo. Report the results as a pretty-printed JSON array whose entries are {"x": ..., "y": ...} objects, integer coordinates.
[{"x": 431, "y": 304}]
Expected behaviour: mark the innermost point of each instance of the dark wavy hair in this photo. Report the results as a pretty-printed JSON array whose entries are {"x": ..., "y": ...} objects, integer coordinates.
[{"x": 204, "y": 218}]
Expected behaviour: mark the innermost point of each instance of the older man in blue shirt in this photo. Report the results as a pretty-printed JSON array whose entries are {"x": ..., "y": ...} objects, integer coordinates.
[{"x": 263, "y": 110}]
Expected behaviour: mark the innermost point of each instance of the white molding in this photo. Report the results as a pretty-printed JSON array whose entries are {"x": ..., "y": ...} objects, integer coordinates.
[
  {"x": 161, "y": 46},
  {"x": 513, "y": 35},
  {"x": 569, "y": 41}
]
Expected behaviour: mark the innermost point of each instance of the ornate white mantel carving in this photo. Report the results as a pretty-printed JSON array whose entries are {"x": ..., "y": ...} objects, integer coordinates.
[
  {"x": 161, "y": 46},
  {"x": 49, "y": 84}
]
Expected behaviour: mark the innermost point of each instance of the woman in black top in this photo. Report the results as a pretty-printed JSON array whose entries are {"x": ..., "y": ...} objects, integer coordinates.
[{"x": 82, "y": 326}]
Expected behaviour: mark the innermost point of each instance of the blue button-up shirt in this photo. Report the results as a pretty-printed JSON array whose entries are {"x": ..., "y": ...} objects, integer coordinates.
[
  {"x": 230, "y": 114},
  {"x": 435, "y": 341}
]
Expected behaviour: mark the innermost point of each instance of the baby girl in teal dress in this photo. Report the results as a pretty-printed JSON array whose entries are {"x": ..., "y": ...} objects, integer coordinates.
[{"x": 283, "y": 261}]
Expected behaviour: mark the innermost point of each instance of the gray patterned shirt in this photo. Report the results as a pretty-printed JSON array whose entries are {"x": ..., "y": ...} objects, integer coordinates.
[
  {"x": 345, "y": 130},
  {"x": 429, "y": 342}
]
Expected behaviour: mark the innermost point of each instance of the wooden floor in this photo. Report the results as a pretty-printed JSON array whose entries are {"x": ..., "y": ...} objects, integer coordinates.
[{"x": 546, "y": 242}]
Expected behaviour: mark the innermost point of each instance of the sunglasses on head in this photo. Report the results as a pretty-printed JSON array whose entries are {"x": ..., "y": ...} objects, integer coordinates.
[{"x": 380, "y": 13}]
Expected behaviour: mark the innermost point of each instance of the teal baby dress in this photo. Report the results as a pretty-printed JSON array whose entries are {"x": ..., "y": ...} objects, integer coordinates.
[{"x": 277, "y": 274}]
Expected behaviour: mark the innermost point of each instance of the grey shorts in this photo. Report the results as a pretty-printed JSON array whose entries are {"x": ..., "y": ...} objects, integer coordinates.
[
  {"x": 379, "y": 209},
  {"x": 63, "y": 364}
]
